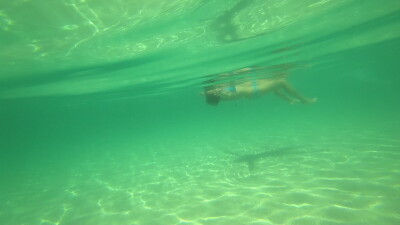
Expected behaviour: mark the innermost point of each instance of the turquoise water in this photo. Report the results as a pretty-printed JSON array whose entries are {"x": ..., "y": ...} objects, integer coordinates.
[{"x": 103, "y": 122}]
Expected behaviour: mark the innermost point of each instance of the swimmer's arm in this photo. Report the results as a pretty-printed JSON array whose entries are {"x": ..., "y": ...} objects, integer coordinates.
[{"x": 221, "y": 92}]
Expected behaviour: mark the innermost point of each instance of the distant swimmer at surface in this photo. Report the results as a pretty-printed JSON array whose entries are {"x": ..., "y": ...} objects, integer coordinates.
[{"x": 251, "y": 88}]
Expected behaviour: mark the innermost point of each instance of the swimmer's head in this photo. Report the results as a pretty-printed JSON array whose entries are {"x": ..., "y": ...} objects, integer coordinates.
[{"x": 211, "y": 97}]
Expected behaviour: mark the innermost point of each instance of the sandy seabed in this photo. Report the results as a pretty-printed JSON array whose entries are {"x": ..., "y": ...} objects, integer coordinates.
[{"x": 352, "y": 181}]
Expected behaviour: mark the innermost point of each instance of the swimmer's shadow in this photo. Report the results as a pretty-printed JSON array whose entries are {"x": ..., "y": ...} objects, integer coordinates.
[{"x": 251, "y": 159}]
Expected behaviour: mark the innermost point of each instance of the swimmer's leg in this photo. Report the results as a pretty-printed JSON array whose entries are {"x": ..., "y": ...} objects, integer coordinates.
[
  {"x": 280, "y": 94},
  {"x": 294, "y": 93}
]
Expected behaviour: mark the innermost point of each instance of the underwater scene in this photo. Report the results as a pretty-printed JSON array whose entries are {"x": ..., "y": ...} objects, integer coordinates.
[{"x": 199, "y": 112}]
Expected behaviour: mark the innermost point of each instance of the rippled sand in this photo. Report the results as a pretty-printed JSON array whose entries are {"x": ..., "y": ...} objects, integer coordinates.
[{"x": 322, "y": 181}]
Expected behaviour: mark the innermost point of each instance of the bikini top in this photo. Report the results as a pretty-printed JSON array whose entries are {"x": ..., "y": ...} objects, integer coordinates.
[{"x": 231, "y": 88}]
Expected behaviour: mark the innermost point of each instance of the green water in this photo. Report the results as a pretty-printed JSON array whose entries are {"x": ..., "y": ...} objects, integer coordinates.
[{"x": 102, "y": 120}]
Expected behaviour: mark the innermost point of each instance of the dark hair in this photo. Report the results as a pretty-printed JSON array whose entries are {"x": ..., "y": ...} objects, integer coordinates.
[{"x": 212, "y": 99}]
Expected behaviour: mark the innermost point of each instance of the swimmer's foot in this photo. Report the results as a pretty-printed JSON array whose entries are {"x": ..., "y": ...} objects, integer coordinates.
[
  {"x": 309, "y": 100},
  {"x": 293, "y": 101}
]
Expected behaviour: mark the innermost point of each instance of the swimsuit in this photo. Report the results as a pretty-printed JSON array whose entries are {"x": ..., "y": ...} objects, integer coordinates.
[
  {"x": 231, "y": 89},
  {"x": 256, "y": 90},
  {"x": 254, "y": 85}
]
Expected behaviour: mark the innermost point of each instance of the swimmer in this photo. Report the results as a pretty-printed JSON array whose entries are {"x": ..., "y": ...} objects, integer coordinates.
[{"x": 254, "y": 88}]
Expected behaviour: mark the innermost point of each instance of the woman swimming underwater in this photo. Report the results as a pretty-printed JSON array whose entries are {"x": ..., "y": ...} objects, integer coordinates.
[{"x": 254, "y": 87}]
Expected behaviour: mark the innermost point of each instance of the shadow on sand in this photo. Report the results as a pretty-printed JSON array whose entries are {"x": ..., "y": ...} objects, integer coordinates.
[{"x": 251, "y": 159}]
